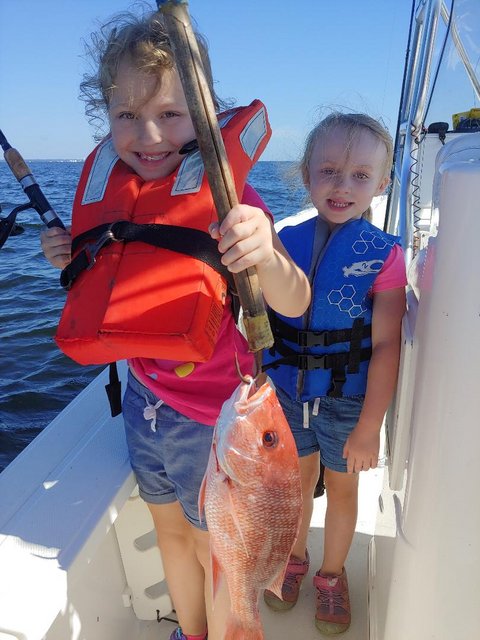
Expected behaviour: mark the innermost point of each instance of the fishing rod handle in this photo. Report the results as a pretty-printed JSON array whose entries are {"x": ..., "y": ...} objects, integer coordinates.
[
  {"x": 17, "y": 164},
  {"x": 23, "y": 174}
]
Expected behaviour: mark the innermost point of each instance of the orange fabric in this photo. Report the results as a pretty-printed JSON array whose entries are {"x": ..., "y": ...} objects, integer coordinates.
[{"x": 139, "y": 300}]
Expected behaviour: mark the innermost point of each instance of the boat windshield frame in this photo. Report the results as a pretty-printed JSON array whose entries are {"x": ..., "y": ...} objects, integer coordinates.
[{"x": 420, "y": 74}]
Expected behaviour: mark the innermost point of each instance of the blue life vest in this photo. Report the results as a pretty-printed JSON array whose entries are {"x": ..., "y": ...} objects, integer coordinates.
[{"x": 327, "y": 350}]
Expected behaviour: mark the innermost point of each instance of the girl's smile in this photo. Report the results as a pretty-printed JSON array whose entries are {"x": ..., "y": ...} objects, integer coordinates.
[
  {"x": 337, "y": 205},
  {"x": 143, "y": 156}
]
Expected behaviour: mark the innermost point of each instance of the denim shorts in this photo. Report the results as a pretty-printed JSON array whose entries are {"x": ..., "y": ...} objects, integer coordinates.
[
  {"x": 168, "y": 452},
  {"x": 327, "y": 431}
]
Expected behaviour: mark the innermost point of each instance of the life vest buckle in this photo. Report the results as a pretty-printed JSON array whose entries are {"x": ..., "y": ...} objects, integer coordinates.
[
  {"x": 309, "y": 362},
  {"x": 313, "y": 339},
  {"x": 92, "y": 248}
]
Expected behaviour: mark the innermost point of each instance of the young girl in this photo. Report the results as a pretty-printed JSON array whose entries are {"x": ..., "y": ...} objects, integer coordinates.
[
  {"x": 335, "y": 367},
  {"x": 170, "y": 407}
]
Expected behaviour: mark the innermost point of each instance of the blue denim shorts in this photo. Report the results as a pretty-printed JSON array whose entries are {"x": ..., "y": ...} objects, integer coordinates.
[
  {"x": 327, "y": 431},
  {"x": 168, "y": 452}
]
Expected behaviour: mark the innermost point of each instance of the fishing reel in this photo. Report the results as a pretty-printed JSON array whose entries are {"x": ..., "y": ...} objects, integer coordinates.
[
  {"x": 7, "y": 228},
  {"x": 36, "y": 198}
]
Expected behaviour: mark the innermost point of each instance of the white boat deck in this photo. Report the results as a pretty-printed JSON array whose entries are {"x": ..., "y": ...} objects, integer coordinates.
[{"x": 299, "y": 622}]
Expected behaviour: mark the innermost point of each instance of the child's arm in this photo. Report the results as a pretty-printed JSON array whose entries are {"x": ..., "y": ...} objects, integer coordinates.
[
  {"x": 246, "y": 239},
  {"x": 56, "y": 245},
  {"x": 362, "y": 446}
]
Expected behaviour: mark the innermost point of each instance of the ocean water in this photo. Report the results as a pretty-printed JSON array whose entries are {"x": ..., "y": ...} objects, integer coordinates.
[{"x": 36, "y": 379}]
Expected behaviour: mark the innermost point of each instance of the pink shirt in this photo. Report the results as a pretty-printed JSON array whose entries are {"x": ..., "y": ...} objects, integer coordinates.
[
  {"x": 393, "y": 273},
  {"x": 200, "y": 393}
]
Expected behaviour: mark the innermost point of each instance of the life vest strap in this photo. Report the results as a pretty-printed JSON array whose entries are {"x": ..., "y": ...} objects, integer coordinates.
[
  {"x": 283, "y": 330},
  {"x": 309, "y": 361},
  {"x": 192, "y": 242},
  {"x": 357, "y": 334},
  {"x": 114, "y": 390},
  {"x": 338, "y": 380}
]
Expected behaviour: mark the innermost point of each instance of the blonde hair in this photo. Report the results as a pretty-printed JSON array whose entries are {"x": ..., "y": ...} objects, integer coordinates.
[
  {"x": 143, "y": 42},
  {"x": 352, "y": 124}
]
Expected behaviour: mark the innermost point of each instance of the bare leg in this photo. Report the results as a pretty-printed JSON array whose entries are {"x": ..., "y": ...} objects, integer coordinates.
[
  {"x": 183, "y": 570},
  {"x": 309, "y": 471},
  {"x": 340, "y": 519},
  {"x": 219, "y": 608},
  {"x": 186, "y": 560}
]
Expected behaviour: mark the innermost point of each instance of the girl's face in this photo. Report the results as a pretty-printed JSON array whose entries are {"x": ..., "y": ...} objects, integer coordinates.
[
  {"x": 148, "y": 129},
  {"x": 345, "y": 173}
]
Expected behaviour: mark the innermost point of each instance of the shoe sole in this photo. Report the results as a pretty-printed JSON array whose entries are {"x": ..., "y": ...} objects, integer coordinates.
[
  {"x": 331, "y": 628},
  {"x": 276, "y": 604}
]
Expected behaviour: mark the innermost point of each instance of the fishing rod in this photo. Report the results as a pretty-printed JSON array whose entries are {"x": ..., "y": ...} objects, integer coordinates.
[{"x": 36, "y": 198}]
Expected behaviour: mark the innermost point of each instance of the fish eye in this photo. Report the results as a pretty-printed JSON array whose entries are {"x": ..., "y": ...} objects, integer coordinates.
[{"x": 269, "y": 439}]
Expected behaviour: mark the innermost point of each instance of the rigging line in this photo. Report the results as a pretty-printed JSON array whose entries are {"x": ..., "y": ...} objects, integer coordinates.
[
  {"x": 397, "y": 132},
  {"x": 415, "y": 194}
]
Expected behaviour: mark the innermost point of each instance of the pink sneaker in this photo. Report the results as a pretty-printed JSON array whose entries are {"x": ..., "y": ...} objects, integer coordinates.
[
  {"x": 296, "y": 571},
  {"x": 333, "y": 603}
]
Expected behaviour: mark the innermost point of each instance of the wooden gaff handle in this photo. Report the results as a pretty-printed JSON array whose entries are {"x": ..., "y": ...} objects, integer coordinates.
[{"x": 210, "y": 143}]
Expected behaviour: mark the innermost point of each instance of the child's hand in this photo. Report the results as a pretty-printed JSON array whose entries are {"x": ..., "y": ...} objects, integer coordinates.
[
  {"x": 245, "y": 238},
  {"x": 56, "y": 245},
  {"x": 361, "y": 449}
]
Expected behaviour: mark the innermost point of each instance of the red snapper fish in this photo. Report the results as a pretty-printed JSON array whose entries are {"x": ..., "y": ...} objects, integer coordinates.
[{"x": 252, "y": 497}]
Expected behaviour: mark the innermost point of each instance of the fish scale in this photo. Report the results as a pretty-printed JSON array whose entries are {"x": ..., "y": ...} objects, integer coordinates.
[{"x": 253, "y": 502}]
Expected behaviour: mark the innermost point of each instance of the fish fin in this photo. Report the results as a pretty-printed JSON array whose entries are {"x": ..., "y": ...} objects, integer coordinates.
[
  {"x": 276, "y": 586},
  {"x": 237, "y": 630},
  {"x": 201, "y": 498},
  {"x": 233, "y": 511},
  {"x": 216, "y": 574}
]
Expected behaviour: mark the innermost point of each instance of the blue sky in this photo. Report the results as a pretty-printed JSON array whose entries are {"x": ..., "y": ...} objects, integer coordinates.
[{"x": 299, "y": 58}]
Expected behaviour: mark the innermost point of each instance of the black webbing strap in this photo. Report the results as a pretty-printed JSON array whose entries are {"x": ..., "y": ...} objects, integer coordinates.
[
  {"x": 114, "y": 390},
  {"x": 339, "y": 376},
  {"x": 192, "y": 242},
  {"x": 282, "y": 329},
  {"x": 310, "y": 362},
  {"x": 357, "y": 334}
]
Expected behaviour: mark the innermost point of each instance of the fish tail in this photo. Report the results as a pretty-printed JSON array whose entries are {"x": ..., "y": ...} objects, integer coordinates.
[{"x": 238, "y": 630}]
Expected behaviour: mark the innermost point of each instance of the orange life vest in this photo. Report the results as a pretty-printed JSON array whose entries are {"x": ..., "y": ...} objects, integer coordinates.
[{"x": 138, "y": 300}]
